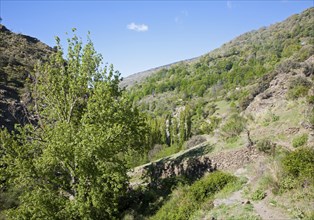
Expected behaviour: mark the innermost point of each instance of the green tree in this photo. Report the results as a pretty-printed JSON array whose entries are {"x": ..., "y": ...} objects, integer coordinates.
[
  {"x": 182, "y": 128},
  {"x": 73, "y": 165},
  {"x": 174, "y": 131},
  {"x": 185, "y": 125}
]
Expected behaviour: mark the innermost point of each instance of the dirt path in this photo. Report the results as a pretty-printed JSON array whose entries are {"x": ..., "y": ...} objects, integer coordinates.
[
  {"x": 235, "y": 198},
  {"x": 265, "y": 211}
]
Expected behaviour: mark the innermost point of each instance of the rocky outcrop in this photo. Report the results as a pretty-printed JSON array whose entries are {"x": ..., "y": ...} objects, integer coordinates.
[
  {"x": 193, "y": 167},
  {"x": 18, "y": 55},
  {"x": 275, "y": 94},
  {"x": 235, "y": 159}
]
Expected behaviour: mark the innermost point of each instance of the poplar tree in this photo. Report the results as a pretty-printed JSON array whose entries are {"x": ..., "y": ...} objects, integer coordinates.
[{"x": 72, "y": 164}]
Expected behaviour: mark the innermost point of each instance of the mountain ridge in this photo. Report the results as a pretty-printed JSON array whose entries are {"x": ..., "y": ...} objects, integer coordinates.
[{"x": 139, "y": 77}]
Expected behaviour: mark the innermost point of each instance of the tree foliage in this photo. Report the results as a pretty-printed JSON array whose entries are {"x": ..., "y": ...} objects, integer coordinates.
[{"x": 73, "y": 164}]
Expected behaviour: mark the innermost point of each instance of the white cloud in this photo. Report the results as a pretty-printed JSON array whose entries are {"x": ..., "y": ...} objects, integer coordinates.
[
  {"x": 137, "y": 27},
  {"x": 229, "y": 4}
]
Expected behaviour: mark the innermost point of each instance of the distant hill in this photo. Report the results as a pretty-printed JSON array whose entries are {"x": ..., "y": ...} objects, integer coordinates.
[
  {"x": 236, "y": 63},
  {"x": 249, "y": 44},
  {"x": 19, "y": 54},
  {"x": 136, "y": 78},
  {"x": 240, "y": 79}
]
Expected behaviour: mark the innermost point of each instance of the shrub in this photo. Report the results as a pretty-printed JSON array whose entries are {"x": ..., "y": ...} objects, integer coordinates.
[
  {"x": 270, "y": 117},
  {"x": 297, "y": 92},
  {"x": 298, "y": 87},
  {"x": 265, "y": 146},
  {"x": 233, "y": 126},
  {"x": 300, "y": 140},
  {"x": 209, "y": 185},
  {"x": 310, "y": 99},
  {"x": 287, "y": 183},
  {"x": 287, "y": 65},
  {"x": 9, "y": 198},
  {"x": 259, "y": 194},
  {"x": 214, "y": 122},
  {"x": 300, "y": 164},
  {"x": 186, "y": 200},
  {"x": 207, "y": 127}
]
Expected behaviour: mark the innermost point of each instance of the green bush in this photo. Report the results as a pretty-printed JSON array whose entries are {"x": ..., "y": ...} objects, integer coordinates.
[
  {"x": 287, "y": 183},
  {"x": 298, "y": 87},
  {"x": 205, "y": 127},
  {"x": 300, "y": 164},
  {"x": 310, "y": 99},
  {"x": 233, "y": 126},
  {"x": 258, "y": 195},
  {"x": 265, "y": 146},
  {"x": 298, "y": 91},
  {"x": 300, "y": 140},
  {"x": 187, "y": 199},
  {"x": 209, "y": 185},
  {"x": 269, "y": 118}
]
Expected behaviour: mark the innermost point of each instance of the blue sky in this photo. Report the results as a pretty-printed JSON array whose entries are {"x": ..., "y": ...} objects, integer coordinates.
[{"x": 138, "y": 35}]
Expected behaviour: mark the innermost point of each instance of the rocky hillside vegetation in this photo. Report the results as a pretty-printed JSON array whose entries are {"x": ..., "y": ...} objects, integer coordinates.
[
  {"x": 245, "y": 108},
  {"x": 231, "y": 90},
  {"x": 19, "y": 54}
]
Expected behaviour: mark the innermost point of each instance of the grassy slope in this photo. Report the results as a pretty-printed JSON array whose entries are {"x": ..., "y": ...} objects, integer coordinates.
[{"x": 270, "y": 115}]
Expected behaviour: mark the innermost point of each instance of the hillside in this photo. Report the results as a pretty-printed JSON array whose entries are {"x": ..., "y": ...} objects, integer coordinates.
[
  {"x": 232, "y": 75},
  {"x": 136, "y": 78},
  {"x": 276, "y": 125},
  {"x": 242, "y": 108},
  {"x": 19, "y": 54}
]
